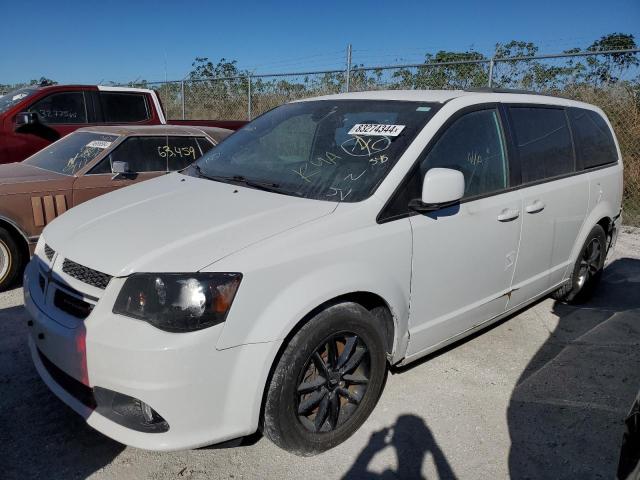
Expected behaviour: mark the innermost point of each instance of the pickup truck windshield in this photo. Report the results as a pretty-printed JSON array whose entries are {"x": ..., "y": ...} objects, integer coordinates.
[
  {"x": 71, "y": 153},
  {"x": 13, "y": 98},
  {"x": 336, "y": 150}
]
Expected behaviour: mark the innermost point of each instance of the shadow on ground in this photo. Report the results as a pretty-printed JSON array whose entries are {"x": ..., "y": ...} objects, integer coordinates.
[
  {"x": 40, "y": 437},
  {"x": 412, "y": 441},
  {"x": 566, "y": 412}
]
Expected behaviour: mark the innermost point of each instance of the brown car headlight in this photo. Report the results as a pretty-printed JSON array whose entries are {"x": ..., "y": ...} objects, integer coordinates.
[{"x": 177, "y": 302}]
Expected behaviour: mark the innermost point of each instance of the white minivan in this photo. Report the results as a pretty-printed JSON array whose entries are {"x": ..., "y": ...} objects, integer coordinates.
[{"x": 271, "y": 284}]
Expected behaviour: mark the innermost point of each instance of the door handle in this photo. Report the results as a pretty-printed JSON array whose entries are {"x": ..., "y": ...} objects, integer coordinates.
[
  {"x": 535, "y": 207},
  {"x": 508, "y": 214}
]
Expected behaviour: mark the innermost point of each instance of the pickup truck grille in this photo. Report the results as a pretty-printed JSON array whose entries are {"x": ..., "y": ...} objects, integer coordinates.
[
  {"x": 49, "y": 252},
  {"x": 86, "y": 274}
]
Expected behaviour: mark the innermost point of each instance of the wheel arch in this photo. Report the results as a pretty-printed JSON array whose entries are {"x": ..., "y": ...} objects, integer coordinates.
[
  {"x": 602, "y": 215},
  {"x": 17, "y": 233},
  {"x": 373, "y": 302}
]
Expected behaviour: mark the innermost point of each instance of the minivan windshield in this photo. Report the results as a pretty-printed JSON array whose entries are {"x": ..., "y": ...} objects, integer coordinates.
[
  {"x": 71, "y": 153},
  {"x": 335, "y": 150},
  {"x": 13, "y": 98}
]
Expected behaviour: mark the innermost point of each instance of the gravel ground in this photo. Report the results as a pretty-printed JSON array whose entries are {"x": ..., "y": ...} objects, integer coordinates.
[{"x": 540, "y": 395}]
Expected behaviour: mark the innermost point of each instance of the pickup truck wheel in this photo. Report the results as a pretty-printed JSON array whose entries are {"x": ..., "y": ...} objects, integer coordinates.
[
  {"x": 10, "y": 259},
  {"x": 587, "y": 270},
  {"x": 326, "y": 382}
]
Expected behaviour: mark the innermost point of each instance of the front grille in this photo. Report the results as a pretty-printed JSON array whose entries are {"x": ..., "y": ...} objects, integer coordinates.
[
  {"x": 72, "y": 305},
  {"x": 78, "y": 390},
  {"x": 49, "y": 252},
  {"x": 86, "y": 274}
]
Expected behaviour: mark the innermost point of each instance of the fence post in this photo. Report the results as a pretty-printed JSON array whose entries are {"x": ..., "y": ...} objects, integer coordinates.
[
  {"x": 348, "y": 79},
  {"x": 183, "y": 99},
  {"x": 249, "y": 99},
  {"x": 491, "y": 65}
]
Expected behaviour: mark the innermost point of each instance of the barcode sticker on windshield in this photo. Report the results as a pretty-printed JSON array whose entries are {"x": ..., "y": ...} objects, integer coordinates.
[
  {"x": 98, "y": 144},
  {"x": 376, "y": 129}
]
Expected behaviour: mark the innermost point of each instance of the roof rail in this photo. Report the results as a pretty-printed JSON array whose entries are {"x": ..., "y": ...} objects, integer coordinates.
[{"x": 504, "y": 90}]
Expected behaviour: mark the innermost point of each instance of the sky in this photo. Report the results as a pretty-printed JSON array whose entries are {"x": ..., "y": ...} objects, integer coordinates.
[{"x": 121, "y": 41}]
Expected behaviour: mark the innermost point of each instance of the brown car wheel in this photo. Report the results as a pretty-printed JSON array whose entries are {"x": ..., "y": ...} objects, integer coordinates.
[{"x": 10, "y": 260}]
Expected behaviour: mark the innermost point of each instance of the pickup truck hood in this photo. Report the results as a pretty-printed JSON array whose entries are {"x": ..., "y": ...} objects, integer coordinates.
[
  {"x": 174, "y": 223},
  {"x": 14, "y": 173}
]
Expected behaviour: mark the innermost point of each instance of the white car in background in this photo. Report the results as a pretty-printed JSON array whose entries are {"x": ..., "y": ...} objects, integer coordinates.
[{"x": 271, "y": 284}]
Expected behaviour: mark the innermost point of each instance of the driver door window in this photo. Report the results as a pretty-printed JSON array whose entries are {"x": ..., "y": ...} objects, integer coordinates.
[
  {"x": 474, "y": 145},
  {"x": 61, "y": 108}
]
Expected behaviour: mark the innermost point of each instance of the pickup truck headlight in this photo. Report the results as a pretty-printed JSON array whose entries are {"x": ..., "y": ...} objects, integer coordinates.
[{"x": 177, "y": 302}]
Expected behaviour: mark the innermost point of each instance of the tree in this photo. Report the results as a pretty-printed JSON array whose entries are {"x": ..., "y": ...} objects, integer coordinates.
[{"x": 607, "y": 69}]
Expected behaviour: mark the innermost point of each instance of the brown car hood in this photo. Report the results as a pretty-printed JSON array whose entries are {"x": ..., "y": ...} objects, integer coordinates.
[{"x": 21, "y": 172}]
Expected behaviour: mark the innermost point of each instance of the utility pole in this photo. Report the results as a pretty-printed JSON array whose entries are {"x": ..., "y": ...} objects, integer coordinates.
[{"x": 348, "y": 79}]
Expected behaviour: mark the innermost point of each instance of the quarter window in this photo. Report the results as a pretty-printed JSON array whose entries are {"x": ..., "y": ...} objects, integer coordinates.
[
  {"x": 61, "y": 108},
  {"x": 474, "y": 145},
  {"x": 543, "y": 142},
  {"x": 124, "y": 107},
  {"x": 593, "y": 139}
]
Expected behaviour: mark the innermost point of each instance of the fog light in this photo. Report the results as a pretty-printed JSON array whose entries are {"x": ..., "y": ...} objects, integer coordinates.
[{"x": 128, "y": 411}]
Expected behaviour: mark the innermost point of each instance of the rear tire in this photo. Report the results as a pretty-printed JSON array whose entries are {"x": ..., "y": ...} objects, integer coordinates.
[
  {"x": 326, "y": 382},
  {"x": 587, "y": 270},
  {"x": 11, "y": 260}
]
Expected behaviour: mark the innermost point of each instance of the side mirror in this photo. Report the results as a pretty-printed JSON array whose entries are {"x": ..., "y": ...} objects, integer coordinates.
[
  {"x": 442, "y": 187},
  {"x": 120, "y": 168},
  {"x": 24, "y": 119}
]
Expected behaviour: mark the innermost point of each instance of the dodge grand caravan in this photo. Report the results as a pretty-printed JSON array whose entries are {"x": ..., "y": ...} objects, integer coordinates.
[{"x": 272, "y": 283}]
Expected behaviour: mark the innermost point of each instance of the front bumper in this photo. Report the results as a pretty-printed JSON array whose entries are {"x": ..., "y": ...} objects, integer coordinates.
[{"x": 205, "y": 395}]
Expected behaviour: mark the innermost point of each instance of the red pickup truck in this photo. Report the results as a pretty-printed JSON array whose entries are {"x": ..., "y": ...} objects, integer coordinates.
[{"x": 33, "y": 117}]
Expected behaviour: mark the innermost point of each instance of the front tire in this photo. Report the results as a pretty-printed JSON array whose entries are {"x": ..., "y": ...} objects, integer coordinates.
[
  {"x": 10, "y": 260},
  {"x": 587, "y": 270},
  {"x": 326, "y": 382}
]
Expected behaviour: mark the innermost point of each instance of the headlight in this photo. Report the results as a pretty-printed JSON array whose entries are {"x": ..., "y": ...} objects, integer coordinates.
[{"x": 178, "y": 302}]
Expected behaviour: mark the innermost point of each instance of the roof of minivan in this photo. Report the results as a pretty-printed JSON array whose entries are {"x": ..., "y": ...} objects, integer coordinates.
[
  {"x": 155, "y": 130},
  {"x": 442, "y": 96}
]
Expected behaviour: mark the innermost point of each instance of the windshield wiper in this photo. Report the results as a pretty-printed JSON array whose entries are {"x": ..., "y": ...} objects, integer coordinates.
[{"x": 242, "y": 180}]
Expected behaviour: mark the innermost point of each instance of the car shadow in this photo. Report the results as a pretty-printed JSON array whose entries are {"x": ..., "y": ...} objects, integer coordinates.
[
  {"x": 40, "y": 437},
  {"x": 566, "y": 412},
  {"x": 412, "y": 441}
]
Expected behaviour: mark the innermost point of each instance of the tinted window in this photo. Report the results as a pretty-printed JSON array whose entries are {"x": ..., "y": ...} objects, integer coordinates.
[
  {"x": 543, "y": 142},
  {"x": 67, "y": 107},
  {"x": 124, "y": 107},
  {"x": 204, "y": 144},
  {"x": 180, "y": 152},
  {"x": 154, "y": 154},
  {"x": 593, "y": 139},
  {"x": 473, "y": 144},
  {"x": 72, "y": 152}
]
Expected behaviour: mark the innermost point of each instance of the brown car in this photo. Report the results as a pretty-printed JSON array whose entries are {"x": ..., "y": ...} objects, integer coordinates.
[{"x": 81, "y": 166}]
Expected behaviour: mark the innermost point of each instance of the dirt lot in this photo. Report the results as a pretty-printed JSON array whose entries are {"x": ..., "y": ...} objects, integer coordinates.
[{"x": 540, "y": 395}]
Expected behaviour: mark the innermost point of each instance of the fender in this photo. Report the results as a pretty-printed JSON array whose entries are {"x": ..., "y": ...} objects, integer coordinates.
[
  {"x": 28, "y": 240},
  {"x": 294, "y": 302},
  {"x": 604, "y": 209}
]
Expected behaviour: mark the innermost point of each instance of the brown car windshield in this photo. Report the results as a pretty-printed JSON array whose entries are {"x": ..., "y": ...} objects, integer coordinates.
[
  {"x": 334, "y": 150},
  {"x": 72, "y": 153}
]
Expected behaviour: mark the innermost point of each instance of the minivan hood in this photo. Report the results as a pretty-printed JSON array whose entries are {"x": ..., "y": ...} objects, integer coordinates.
[{"x": 174, "y": 223}]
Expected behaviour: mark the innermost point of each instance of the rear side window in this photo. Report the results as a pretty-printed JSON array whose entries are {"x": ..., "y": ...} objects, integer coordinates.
[
  {"x": 473, "y": 144},
  {"x": 61, "y": 108},
  {"x": 543, "y": 142},
  {"x": 120, "y": 107},
  {"x": 594, "y": 142}
]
